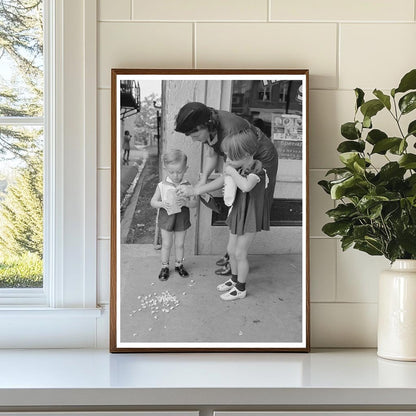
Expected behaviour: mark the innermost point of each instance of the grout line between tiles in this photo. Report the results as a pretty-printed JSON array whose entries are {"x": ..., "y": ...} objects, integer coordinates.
[
  {"x": 269, "y": 10},
  {"x": 306, "y": 22},
  {"x": 335, "y": 294},
  {"x": 194, "y": 62},
  {"x": 338, "y": 63},
  {"x": 356, "y": 302}
]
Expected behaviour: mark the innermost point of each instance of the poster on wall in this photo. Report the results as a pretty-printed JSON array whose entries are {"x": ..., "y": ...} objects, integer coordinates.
[{"x": 209, "y": 211}]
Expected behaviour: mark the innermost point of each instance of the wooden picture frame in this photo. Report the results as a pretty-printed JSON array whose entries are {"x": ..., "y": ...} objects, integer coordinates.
[{"x": 186, "y": 314}]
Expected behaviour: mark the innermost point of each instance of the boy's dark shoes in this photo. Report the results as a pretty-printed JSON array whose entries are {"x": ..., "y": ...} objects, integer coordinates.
[
  {"x": 224, "y": 271},
  {"x": 164, "y": 274},
  {"x": 181, "y": 270}
]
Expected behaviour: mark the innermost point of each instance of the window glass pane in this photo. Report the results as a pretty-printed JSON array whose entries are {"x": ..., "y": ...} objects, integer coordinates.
[
  {"x": 21, "y": 58},
  {"x": 21, "y": 144},
  {"x": 21, "y": 210}
]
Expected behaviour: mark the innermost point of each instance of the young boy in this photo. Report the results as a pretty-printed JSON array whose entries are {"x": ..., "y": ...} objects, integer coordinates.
[{"x": 173, "y": 211}]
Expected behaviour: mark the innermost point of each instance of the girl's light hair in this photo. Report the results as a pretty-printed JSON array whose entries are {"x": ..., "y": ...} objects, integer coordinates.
[
  {"x": 174, "y": 156},
  {"x": 240, "y": 145}
]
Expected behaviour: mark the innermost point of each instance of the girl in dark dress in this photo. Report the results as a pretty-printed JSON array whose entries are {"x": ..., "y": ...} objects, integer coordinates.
[{"x": 248, "y": 214}]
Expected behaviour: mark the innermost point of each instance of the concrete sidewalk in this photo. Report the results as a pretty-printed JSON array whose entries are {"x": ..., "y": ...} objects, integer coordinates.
[{"x": 190, "y": 309}]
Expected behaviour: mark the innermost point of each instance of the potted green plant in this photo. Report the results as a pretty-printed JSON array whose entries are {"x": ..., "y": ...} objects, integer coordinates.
[{"x": 376, "y": 206}]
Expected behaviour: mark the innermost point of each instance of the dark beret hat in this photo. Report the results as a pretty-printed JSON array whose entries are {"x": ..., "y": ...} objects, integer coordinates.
[{"x": 191, "y": 116}]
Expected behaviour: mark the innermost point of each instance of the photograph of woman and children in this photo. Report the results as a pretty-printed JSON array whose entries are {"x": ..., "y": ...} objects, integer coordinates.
[{"x": 211, "y": 206}]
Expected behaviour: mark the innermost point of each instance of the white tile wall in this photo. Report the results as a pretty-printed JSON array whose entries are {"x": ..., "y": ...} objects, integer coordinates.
[
  {"x": 271, "y": 45},
  {"x": 357, "y": 275},
  {"x": 339, "y": 325},
  {"x": 142, "y": 45},
  {"x": 103, "y": 271},
  {"x": 389, "y": 53},
  {"x": 345, "y": 44},
  {"x": 104, "y": 202},
  {"x": 200, "y": 10},
  {"x": 104, "y": 128},
  {"x": 341, "y": 10},
  {"x": 323, "y": 269},
  {"x": 114, "y": 10}
]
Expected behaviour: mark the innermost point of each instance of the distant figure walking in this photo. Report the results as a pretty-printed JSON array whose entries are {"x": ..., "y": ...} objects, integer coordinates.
[{"x": 126, "y": 147}]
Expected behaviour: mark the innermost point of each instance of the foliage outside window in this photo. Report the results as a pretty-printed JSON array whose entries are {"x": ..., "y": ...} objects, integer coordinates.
[{"x": 21, "y": 143}]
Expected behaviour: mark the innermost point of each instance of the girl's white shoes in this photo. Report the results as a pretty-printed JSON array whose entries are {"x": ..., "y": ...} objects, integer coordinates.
[
  {"x": 223, "y": 287},
  {"x": 234, "y": 294}
]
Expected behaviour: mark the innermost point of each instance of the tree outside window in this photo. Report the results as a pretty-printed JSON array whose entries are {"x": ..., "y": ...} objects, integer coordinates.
[{"x": 21, "y": 143}]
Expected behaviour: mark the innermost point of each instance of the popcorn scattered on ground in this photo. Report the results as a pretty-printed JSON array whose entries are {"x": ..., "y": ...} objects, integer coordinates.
[{"x": 162, "y": 302}]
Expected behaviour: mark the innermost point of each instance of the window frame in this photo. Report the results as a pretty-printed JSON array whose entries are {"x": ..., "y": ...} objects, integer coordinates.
[{"x": 67, "y": 305}]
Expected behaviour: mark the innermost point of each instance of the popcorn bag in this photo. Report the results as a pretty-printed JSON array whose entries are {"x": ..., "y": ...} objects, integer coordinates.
[
  {"x": 172, "y": 200},
  {"x": 230, "y": 189}
]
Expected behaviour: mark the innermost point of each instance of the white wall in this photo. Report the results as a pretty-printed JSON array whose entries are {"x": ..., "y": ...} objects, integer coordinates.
[{"x": 345, "y": 44}]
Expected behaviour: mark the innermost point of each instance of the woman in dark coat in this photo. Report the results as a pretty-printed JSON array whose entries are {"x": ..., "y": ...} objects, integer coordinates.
[{"x": 209, "y": 126}]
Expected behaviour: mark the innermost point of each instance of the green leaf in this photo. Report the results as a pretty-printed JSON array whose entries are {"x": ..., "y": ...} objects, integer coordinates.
[
  {"x": 393, "y": 250},
  {"x": 367, "y": 122},
  {"x": 402, "y": 147},
  {"x": 350, "y": 187},
  {"x": 385, "y": 99},
  {"x": 325, "y": 186},
  {"x": 361, "y": 231},
  {"x": 338, "y": 189},
  {"x": 411, "y": 130},
  {"x": 408, "y": 82},
  {"x": 354, "y": 161},
  {"x": 349, "y": 131},
  {"x": 359, "y": 165},
  {"x": 348, "y": 158},
  {"x": 342, "y": 211},
  {"x": 333, "y": 229},
  {"x": 371, "y": 108},
  {"x": 408, "y": 102},
  {"x": 375, "y": 212},
  {"x": 374, "y": 136},
  {"x": 391, "y": 170},
  {"x": 346, "y": 242},
  {"x": 408, "y": 161},
  {"x": 349, "y": 146},
  {"x": 359, "y": 94},
  {"x": 368, "y": 248},
  {"x": 383, "y": 145},
  {"x": 407, "y": 240},
  {"x": 338, "y": 171},
  {"x": 369, "y": 201}
]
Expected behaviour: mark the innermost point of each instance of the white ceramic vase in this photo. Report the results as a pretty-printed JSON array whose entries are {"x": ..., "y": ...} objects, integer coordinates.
[{"x": 397, "y": 312}]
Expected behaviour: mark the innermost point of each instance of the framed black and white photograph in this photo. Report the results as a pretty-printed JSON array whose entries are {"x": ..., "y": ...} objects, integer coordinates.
[{"x": 209, "y": 210}]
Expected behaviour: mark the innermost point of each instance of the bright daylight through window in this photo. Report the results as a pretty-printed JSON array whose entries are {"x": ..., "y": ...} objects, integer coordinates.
[{"x": 21, "y": 143}]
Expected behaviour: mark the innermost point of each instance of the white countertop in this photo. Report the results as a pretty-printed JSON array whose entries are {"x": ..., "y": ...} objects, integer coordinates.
[{"x": 96, "y": 377}]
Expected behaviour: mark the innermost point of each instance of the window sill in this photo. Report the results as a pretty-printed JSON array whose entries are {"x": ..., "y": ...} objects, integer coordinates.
[
  {"x": 39, "y": 327},
  {"x": 34, "y": 312}
]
